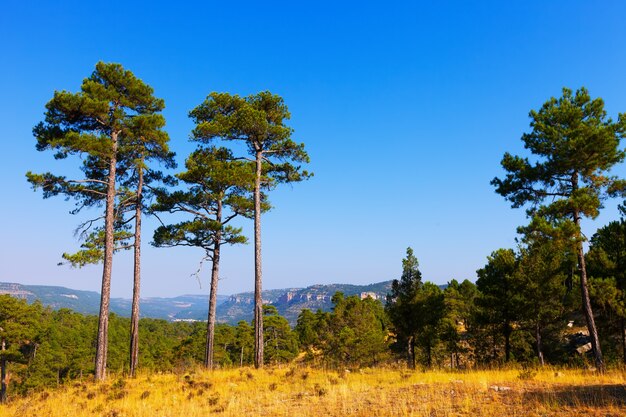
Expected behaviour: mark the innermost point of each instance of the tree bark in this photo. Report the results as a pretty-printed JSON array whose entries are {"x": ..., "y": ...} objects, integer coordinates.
[
  {"x": 410, "y": 353},
  {"x": 3, "y": 375},
  {"x": 586, "y": 302},
  {"x": 507, "y": 341},
  {"x": 134, "y": 317},
  {"x": 210, "y": 331},
  {"x": 539, "y": 343},
  {"x": 258, "y": 298},
  {"x": 105, "y": 294},
  {"x": 623, "y": 334},
  {"x": 584, "y": 288}
]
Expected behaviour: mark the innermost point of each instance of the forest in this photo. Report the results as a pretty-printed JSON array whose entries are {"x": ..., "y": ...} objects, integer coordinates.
[{"x": 556, "y": 298}]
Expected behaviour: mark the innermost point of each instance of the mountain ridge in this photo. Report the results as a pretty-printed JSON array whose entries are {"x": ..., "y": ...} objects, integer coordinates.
[{"x": 194, "y": 307}]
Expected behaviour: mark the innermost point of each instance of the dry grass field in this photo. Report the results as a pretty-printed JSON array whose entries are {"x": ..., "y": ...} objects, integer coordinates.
[{"x": 309, "y": 392}]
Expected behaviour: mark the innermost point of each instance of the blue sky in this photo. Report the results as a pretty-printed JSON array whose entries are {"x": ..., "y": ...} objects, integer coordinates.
[{"x": 405, "y": 108}]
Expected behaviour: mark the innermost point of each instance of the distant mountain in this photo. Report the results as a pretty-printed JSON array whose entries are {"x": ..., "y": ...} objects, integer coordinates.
[
  {"x": 289, "y": 302},
  {"x": 88, "y": 302},
  {"x": 230, "y": 309}
]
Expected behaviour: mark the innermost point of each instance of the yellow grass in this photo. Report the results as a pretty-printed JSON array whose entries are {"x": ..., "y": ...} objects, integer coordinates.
[{"x": 307, "y": 392}]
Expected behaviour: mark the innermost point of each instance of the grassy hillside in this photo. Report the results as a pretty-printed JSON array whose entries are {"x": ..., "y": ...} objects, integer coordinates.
[{"x": 306, "y": 392}]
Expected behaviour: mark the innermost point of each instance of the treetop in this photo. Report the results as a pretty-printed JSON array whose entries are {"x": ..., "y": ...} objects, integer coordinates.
[
  {"x": 258, "y": 120},
  {"x": 575, "y": 145}
]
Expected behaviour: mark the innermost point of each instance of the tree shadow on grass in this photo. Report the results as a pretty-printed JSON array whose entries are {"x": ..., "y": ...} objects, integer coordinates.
[{"x": 580, "y": 396}]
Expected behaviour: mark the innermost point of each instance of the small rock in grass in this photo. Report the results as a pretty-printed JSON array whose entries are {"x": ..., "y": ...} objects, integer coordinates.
[{"x": 498, "y": 389}]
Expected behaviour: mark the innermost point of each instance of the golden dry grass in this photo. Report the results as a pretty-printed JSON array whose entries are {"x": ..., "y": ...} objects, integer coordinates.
[{"x": 307, "y": 392}]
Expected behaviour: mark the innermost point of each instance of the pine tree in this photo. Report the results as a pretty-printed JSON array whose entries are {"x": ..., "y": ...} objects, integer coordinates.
[
  {"x": 575, "y": 145},
  {"x": 499, "y": 302},
  {"x": 607, "y": 267},
  {"x": 18, "y": 327},
  {"x": 400, "y": 305},
  {"x": 218, "y": 189},
  {"x": 459, "y": 308},
  {"x": 540, "y": 278},
  {"x": 258, "y": 121},
  {"x": 93, "y": 123}
]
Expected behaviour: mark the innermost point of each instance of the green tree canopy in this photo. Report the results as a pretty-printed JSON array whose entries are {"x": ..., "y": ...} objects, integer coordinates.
[
  {"x": 499, "y": 302},
  {"x": 607, "y": 269},
  {"x": 19, "y": 324},
  {"x": 281, "y": 343}
]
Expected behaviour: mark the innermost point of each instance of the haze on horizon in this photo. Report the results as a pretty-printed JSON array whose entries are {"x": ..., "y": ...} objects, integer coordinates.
[{"x": 405, "y": 110}]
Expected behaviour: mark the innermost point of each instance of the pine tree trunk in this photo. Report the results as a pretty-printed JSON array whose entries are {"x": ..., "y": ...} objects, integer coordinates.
[
  {"x": 134, "y": 317},
  {"x": 210, "y": 331},
  {"x": 105, "y": 294},
  {"x": 539, "y": 343},
  {"x": 507, "y": 341},
  {"x": 623, "y": 334},
  {"x": 3, "y": 375},
  {"x": 586, "y": 302},
  {"x": 410, "y": 353},
  {"x": 258, "y": 298},
  {"x": 584, "y": 289}
]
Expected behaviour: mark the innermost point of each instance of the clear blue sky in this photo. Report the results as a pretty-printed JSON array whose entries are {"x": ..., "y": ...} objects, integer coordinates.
[{"x": 405, "y": 108}]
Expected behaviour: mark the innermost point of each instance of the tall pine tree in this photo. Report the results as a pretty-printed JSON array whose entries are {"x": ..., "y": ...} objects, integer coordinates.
[
  {"x": 574, "y": 145},
  {"x": 93, "y": 124},
  {"x": 259, "y": 122},
  {"x": 218, "y": 191}
]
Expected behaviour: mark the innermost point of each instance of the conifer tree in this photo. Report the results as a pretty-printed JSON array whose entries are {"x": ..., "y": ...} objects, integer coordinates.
[
  {"x": 93, "y": 124},
  {"x": 499, "y": 301},
  {"x": 401, "y": 305},
  {"x": 607, "y": 260},
  {"x": 459, "y": 308},
  {"x": 540, "y": 278},
  {"x": 280, "y": 341},
  {"x": 18, "y": 326},
  {"x": 218, "y": 191},
  {"x": 430, "y": 309},
  {"x": 147, "y": 144},
  {"x": 259, "y": 121},
  {"x": 355, "y": 332},
  {"x": 574, "y": 145}
]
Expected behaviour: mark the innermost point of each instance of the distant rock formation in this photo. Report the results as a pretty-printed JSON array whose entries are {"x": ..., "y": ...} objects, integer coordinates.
[{"x": 230, "y": 309}]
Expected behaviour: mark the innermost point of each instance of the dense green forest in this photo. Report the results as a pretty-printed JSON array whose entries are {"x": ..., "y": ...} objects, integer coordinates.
[{"x": 548, "y": 300}]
